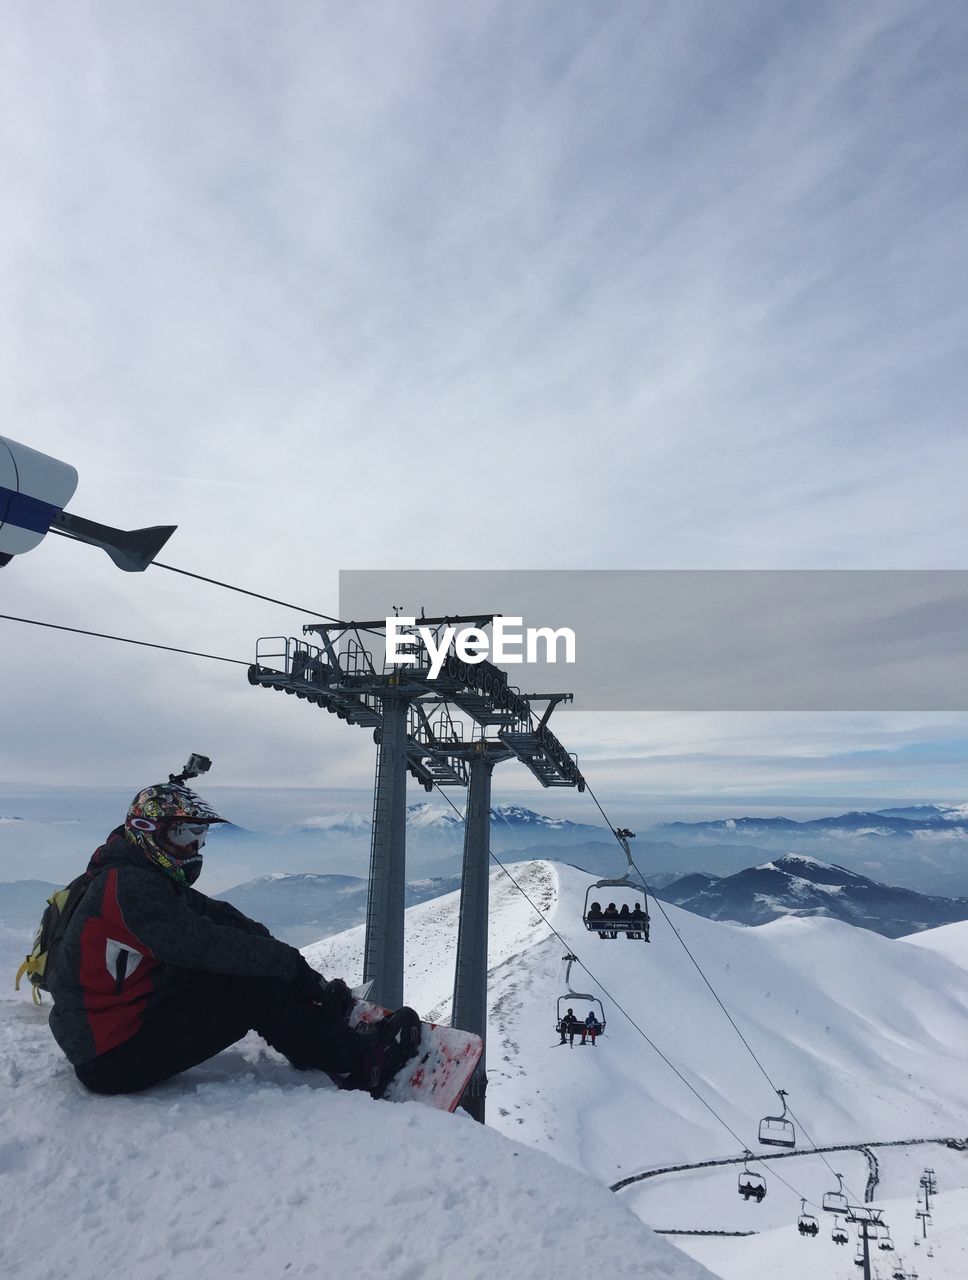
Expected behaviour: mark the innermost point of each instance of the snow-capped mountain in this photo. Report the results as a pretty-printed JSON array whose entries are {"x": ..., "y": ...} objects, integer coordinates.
[
  {"x": 799, "y": 885},
  {"x": 903, "y": 821},
  {"x": 344, "y": 823},
  {"x": 866, "y": 1033},
  {"x": 302, "y": 907},
  {"x": 921, "y": 847}
]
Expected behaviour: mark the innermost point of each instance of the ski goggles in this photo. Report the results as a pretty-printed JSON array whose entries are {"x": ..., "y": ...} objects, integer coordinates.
[{"x": 183, "y": 834}]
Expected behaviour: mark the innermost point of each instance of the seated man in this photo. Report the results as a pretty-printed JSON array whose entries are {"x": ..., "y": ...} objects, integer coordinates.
[
  {"x": 152, "y": 977},
  {"x": 568, "y": 1026}
]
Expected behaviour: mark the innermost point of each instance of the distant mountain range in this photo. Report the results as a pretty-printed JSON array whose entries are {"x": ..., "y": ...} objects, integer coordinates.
[
  {"x": 427, "y": 822},
  {"x": 302, "y": 908},
  {"x": 902, "y": 821},
  {"x": 802, "y": 886}
]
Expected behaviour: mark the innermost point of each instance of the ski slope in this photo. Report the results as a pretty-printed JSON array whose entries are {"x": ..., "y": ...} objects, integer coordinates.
[
  {"x": 869, "y": 1035},
  {"x": 244, "y": 1167}
]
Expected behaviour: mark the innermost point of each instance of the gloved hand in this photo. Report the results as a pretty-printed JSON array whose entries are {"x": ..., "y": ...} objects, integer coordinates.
[
  {"x": 333, "y": 996},
  {"x": 336, "y": 999}
]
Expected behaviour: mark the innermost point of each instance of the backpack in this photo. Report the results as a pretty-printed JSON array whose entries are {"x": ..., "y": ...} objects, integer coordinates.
[{"x": 53, "y": 925}]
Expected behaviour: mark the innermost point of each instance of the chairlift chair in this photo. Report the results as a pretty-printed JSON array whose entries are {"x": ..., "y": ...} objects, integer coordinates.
[
  {"x": 750, "y": 1184},
  {"x": 885, "y": 1242},
  {"x": 633, "y": 926},
  {"x": 859, "y": 1256},
  {"x": 807, "y": 1224},
  {"x": 565, "y": 1000},
  {"x": 778, "y": 1131},
  {"x": 839, "y": 1234},
  {"x": 836, "y": 1201},
  {"x": 597, "y": 1008}
]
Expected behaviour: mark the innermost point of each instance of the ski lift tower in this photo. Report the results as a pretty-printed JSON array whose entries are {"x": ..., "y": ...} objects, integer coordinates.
[
  {"x": 867, "y": 1220},
  {"x": 505, "y": 729},
  {"x": 409, "y": 711},
  {"x": 413, "y": 731}
]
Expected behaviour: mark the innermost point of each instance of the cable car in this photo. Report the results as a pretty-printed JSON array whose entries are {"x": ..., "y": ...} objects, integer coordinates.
[
  {"x": 839, "y": 1235},
  {"x": 565, "y": 1006},
  {"x": 751, "y": 1185},
  {"x": 836, "y": 1201},
  {"x": 631, "y": 918},
  {"x": 807, "y": 1224},
  {"x": 778, "y": 1131}
]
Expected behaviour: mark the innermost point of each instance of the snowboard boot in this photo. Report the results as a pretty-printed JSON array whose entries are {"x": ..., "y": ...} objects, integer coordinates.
[{"x": 391, "y": 1043}]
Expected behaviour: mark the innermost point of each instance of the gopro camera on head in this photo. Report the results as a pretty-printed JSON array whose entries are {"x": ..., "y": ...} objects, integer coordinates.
[{"x": 196, "y": 764}]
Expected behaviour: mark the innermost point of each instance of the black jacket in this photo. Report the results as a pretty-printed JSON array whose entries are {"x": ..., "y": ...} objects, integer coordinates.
[{"x": 133, "y": 941}]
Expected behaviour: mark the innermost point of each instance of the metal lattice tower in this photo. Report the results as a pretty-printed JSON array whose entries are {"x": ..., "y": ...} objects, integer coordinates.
[{"x": 415, "y": 732}]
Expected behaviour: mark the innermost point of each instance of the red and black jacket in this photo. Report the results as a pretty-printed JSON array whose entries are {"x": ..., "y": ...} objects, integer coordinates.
[{"x": 133, "y": 941}]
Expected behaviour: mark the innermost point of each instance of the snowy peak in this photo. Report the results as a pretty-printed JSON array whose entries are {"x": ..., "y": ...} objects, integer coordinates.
[
  {"x": 796, "y": 884},
  {"x": 424, "y": 817},
  {"x": 802, "y": 866},
  {"x": 350, "y": 823},
  {"x": 514, "y": 815}
]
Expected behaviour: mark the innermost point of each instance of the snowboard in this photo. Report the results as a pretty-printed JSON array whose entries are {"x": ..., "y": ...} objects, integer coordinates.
[{"x": 442, "y": 1068}]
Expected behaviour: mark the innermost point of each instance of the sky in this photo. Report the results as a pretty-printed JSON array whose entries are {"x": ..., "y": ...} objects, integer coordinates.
[{"x": 489, "y": 286}]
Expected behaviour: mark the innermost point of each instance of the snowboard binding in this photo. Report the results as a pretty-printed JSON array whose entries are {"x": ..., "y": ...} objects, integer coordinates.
[{"x": 396, "y": 1039}]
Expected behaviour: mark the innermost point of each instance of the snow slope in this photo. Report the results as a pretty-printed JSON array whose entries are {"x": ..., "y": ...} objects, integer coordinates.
[
  {"x": 868, "y": 1034},
  {"x": 246, "y": 1168},
  {"x": 243, "y": 1166}
]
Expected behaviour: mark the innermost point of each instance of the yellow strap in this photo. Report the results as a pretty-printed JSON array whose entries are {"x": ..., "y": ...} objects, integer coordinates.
[{"x": 30, "y": 966}]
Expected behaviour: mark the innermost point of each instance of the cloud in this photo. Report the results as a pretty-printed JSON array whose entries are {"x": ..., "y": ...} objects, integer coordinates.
[{"x": 502, "y": 286}]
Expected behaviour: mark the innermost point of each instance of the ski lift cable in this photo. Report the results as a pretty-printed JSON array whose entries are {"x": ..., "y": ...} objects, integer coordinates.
[
  {"x": 148, "y": 644},
  {"x": 102, "y": 635},
  {"x": 685, "y": 948},
  {"x": 228, "y": 586},
  {"x": 712, "y": 990},
  {"x": 625, "y": 1013}
]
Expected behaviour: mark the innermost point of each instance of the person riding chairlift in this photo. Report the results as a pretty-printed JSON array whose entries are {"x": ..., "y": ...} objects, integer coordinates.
[
  {"x": 591, "y": 1027},
  {"x": 569, "y": 1026}
]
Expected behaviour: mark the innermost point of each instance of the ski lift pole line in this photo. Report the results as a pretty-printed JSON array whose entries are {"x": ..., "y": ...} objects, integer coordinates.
[
  {"x": 710, "y": 986},
  {"x": 103, "y": 635},
  {"x": 625, "y": 1013},
  {"x": 228, "y": 586}
]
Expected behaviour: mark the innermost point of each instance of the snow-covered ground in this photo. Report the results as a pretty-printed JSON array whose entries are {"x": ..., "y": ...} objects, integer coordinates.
[
  {"x": 246, "y": 1168},
  {"x": 243, "y": 1167},
  {"x": 869, "y": 1035}
]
